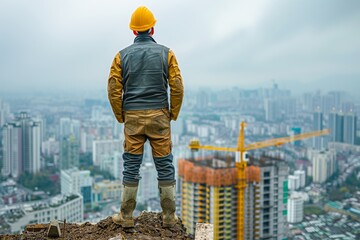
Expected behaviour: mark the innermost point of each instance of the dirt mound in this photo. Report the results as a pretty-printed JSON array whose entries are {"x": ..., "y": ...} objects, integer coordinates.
[{"x": 147, "y": 227}]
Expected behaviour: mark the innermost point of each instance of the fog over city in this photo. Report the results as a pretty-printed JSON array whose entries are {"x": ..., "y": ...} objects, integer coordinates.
[{"x": 69, "y": 45}]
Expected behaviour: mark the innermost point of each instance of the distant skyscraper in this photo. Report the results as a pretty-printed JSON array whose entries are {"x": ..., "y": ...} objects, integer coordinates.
[
  {"x": 294, "y": 182},
  {"x": 69, "y": 153},
  {"x": 4, "y": 112},
  {"x": 272, "y": 111},
  {"x": 343, "y": 127},
  {"x": 21, "y": 149},
  {"x": 317, "y": 126},
  {"x": 350, "y": 121},
  {"x": 50, "y": 147},
  {"x": 295, "y": 208},
  {"x": 302, "y": 177},
  {"x": 288, "y": 107},
  {"x": 338, "y": 98},
  {"x": 336, "y": 126},
  {"x": 323, "y": 165},
  {"x": 70, "y": 127}
]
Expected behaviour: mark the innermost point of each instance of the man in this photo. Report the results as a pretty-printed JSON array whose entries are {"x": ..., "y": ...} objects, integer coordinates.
[{"x": 138, "y": 93}]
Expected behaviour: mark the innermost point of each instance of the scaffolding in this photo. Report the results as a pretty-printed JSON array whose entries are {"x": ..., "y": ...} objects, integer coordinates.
[
  {"x": 208, "y": 175},
  {"x": 208, "y": 190}
]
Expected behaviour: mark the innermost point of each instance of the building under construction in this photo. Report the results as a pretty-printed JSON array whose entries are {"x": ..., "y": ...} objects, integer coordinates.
[
  {"x": 208, "y": 189},
  {"x": 209, "y": 194}
]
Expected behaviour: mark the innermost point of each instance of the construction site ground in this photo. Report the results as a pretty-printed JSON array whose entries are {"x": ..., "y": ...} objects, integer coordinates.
[{"x": 147, "y": 226}]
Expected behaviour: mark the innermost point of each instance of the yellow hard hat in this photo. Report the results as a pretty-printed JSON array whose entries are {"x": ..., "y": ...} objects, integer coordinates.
[{"x": 142, "y": 19}]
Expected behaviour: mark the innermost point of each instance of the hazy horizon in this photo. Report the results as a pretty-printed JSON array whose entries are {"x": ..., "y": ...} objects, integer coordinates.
[{"x": 69, "y": 46}]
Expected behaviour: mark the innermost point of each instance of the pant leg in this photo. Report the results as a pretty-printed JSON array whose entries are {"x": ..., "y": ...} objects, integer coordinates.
[
  {"x": 165, "y": 169},
  {"x": 131, "y": 173},
  {"x": 159, "y": 134},
  {"x": 134, "y": 132}
]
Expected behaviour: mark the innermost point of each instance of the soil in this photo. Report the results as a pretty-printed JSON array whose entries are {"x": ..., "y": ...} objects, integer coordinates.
[{"x": 147, "y": 226}]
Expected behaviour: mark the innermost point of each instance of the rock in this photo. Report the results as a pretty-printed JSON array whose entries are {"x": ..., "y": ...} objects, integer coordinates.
[
  {"x": 204, "y": 231},
  {"x": 54, "y": 229},
  {"x": 117, "y": 237}
]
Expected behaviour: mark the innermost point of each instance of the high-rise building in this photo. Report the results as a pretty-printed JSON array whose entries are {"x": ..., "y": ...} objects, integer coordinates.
[
  {"x": 350, "y": 121},
  {"x": 295, "y": 208},
  {"x": 343, "y": 127},
  {"x": 317, "y": 126},
  {"x": 209, "y": 194},
  {"x": 323, "y": 165},
  {"x": 272, "y": 111},
  {"x": 50, "y": 147},
  {"x": 294, "y": 182},
  {"x": 266, "y": 199},
  {"x": 4, "y": 112},
  {"x": 70, "y": 127},
  {"x": 302, "y": 177},
  {"x": 75, "y": 181},
  {"x": 21, "y": 146},
  {"x": 69, "y": 153},
  {"x": 336, "y": 126},
  {"x": 252, "y": 205}
]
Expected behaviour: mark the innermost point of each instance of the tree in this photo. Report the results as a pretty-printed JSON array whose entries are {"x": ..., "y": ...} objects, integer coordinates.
[{"x": 39, "y": 181}]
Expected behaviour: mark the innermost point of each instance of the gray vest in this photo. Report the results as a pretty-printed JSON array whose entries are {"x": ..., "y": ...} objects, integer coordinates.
[{"x": 144, "y": 71}]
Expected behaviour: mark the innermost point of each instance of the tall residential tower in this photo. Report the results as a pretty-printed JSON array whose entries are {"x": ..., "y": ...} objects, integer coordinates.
[{"x": 21, "y": 139}]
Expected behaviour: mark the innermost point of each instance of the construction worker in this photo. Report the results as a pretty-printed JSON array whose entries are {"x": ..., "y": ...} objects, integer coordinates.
[{"x": 138, "y": 93}]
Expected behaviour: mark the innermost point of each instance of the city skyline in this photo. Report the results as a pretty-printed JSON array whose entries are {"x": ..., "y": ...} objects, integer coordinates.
[{"x": 80, "y": 134}]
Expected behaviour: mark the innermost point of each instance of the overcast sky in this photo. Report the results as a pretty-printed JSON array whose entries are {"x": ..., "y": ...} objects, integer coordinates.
[{"x": 70, "y": 44}]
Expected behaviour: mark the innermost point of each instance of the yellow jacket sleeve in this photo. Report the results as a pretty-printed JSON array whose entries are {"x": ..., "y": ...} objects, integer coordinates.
[
  {"x": 176, "y": 86},
  {"x": 115, "y": 88}
]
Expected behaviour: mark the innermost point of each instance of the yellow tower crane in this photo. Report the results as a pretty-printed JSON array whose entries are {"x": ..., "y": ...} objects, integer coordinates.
[{"x": 241, "y": 162}]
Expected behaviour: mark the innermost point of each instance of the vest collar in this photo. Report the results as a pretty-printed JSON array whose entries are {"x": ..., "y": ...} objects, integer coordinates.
[{"x": 144, "y": 38}]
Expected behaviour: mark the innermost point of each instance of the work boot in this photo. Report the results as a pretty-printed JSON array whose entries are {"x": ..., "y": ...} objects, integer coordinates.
[
  {"x": 167, "y": 201},
  {"x": 128, "y": 203}
]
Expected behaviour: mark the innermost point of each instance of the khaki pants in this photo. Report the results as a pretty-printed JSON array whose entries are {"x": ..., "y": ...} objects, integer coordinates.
[{"x": 152, "y": 125}]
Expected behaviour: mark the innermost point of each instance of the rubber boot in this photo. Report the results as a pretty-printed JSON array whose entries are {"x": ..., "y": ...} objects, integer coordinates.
[
  {"x": 128, "y": 204},
  {"x": 167, "y": 201}
]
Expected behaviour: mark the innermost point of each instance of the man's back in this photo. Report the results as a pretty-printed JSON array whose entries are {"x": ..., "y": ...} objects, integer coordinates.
[{"x": 145, "y": 74}]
